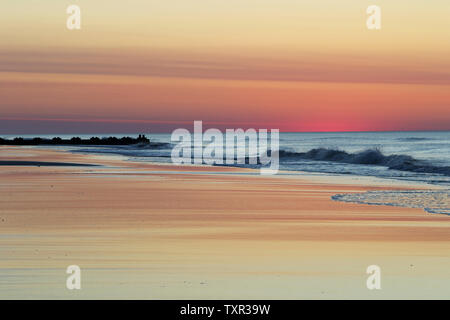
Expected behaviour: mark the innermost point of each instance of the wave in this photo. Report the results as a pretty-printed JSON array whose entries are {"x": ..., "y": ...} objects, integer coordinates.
[
  {"x": 414, "y": 139},
  {"x": 368, "y": 157},
  {"x": 373, "y": 157},
  {"x": 153, "y": 145},
  {"x": 145, "y": 150}
]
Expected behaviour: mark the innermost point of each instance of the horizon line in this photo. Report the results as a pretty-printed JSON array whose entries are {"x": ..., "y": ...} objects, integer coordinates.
[{"x": 169, "y": 132}]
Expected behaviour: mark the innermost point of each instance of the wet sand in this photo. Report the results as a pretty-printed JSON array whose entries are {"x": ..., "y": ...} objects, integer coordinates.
[{"x": 157, "y": 231}]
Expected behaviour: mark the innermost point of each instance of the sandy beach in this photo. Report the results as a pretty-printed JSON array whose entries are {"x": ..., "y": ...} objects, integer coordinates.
[{"x": 159, "y": 231}]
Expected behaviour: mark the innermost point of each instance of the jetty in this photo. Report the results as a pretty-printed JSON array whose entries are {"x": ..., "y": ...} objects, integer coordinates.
[{"x": 93, "y": 141}]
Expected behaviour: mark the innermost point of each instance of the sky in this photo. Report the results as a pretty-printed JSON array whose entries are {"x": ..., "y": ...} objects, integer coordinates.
[{"x": 293, "y": 65}]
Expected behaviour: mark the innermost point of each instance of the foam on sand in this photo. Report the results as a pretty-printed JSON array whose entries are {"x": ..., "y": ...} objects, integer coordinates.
[{"x": 432, "y": 201}]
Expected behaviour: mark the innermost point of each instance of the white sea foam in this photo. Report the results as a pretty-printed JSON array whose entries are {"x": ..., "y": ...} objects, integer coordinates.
[{"x": 432, "y": 201}]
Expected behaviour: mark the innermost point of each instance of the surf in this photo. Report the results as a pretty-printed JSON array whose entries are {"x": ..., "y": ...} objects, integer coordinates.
[{"x": 399, "y": 162}]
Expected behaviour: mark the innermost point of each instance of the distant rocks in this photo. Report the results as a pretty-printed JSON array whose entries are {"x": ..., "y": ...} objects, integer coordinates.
[{"x": 94, "y": 141}]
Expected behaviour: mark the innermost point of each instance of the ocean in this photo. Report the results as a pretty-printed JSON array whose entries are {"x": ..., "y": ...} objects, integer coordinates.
[{"x": 422, "y": 157}]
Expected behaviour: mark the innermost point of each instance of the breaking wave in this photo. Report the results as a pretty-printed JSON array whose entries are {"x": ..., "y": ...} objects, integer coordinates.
[{"x": 368, "y": 157}]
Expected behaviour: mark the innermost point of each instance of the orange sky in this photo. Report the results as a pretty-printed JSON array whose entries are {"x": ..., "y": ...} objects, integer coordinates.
[{"x": 158, "y": 65}]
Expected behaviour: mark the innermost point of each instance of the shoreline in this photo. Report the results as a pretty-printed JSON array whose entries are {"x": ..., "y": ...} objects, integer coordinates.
[
  {"x": 155, "y": 231},
  {"x": 43, "y": 164}
]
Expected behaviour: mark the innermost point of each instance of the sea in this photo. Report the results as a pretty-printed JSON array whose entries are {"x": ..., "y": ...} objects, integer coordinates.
[{"x": 414, "y": 156}]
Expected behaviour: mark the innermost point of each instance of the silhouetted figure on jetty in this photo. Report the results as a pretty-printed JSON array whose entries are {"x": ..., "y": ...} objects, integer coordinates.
[{"x": 94, "y": 141}]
